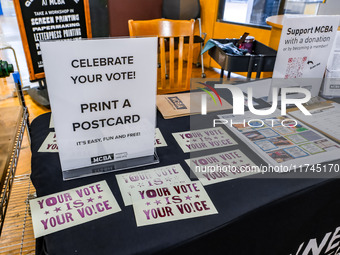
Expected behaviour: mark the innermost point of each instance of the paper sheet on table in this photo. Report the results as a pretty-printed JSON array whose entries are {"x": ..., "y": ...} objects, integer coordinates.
[
  {"x": 220, "y": 167},
  {"x": 49, "y": 144},
  {"x": 170, "y": 203},
  {"x": 282, "y": 141},
  {"x": 324, "y": 119},
  {"x": 159, "y": 139},
  {"x": 51, "y": 122},
  {"x": 203, "y": 139},
  {"x": 184, "y": 104},
  {"x": 72, "y": 207},
  {"x": 127, "y": 182}
]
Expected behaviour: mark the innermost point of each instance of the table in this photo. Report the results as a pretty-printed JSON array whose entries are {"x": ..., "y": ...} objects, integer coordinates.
[{"x": 256, "y": 215}]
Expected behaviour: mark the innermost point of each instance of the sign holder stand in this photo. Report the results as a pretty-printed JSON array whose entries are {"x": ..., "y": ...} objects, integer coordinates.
[
  {"x": 110, "y": 167},
  {"x": 108, "y": 126}
]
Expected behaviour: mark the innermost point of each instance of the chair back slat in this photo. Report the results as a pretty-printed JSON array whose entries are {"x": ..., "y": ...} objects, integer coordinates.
[
  {"x": 168, "y": 31},
  {"x": 180, "y": 59},
  {"x": 172, "y": 63},
  {"x": 189, "y": 66},
  {"x": 162, "y": 51}
]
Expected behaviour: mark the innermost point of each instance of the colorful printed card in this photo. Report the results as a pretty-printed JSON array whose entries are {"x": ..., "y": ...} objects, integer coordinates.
[
  {"x": 282, "y": 140},
  {"x": 221, "y": 167},
  {"x": 159, "y": 139},
  {"x": 170, "y": 175},
  {"x": 72, "y": 207},
  {"x": 49, "y": 144},
  {"x": 203, "y": 139},
  {"x": 154, "y": 205}
]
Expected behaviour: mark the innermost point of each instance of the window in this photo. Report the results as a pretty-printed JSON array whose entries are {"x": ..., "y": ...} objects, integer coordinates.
[{"x": 255, "y": 12}]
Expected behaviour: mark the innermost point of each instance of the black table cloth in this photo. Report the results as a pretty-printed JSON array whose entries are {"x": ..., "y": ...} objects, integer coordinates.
[{"x": 260, "y": 215}]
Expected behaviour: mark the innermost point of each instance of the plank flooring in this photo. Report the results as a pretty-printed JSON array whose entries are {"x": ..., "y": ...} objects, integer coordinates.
[{"x": 17, "y": 235}]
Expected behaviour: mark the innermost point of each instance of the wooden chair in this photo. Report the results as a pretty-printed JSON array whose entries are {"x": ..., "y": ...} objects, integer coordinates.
[
  {"x": 185, "y": 10},
  {"x": 169, "y": 30}
]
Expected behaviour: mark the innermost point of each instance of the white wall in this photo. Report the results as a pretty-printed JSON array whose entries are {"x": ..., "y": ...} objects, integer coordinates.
[{"x": 331, "y": 7}]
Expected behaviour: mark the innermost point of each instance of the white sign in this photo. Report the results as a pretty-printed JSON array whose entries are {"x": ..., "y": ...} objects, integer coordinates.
[
  {"x": 156, "y": 205},
  {"x": 50, "y": 142},
  {"x": 103, "y": 96},
  {"x": 72, "y": 207},
  {"x": 331, "y": 87},
  {"x": 305, "y": 44},
  {"x": 173, "y": 174}
]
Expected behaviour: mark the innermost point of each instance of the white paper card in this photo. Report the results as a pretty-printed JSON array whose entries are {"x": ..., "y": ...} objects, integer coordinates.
[
  {"x": 49, "y": 144},
  {"x": 72, "y": 207},
  {"x": 98, "y": 91},
  {"x": 221, "y": 167},
  {"x": 203, "y": 139},
  {"x": 159, "y": 140},
  {"x": 175, "y": 202},
  {"x": 51, "y": 122},
  {"x": 326, "y": 120},
  {"x": 173, "y": 174}
]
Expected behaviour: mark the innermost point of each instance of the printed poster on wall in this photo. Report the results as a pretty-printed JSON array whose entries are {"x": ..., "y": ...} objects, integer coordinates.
[
  {"x": 50, "y": 20},
  {"x": 305, "y": 44},
  {"x": 103, "y": 98}
]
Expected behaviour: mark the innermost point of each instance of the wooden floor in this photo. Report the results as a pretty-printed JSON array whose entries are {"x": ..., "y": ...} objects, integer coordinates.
[{"x": 17, "y": 234}]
